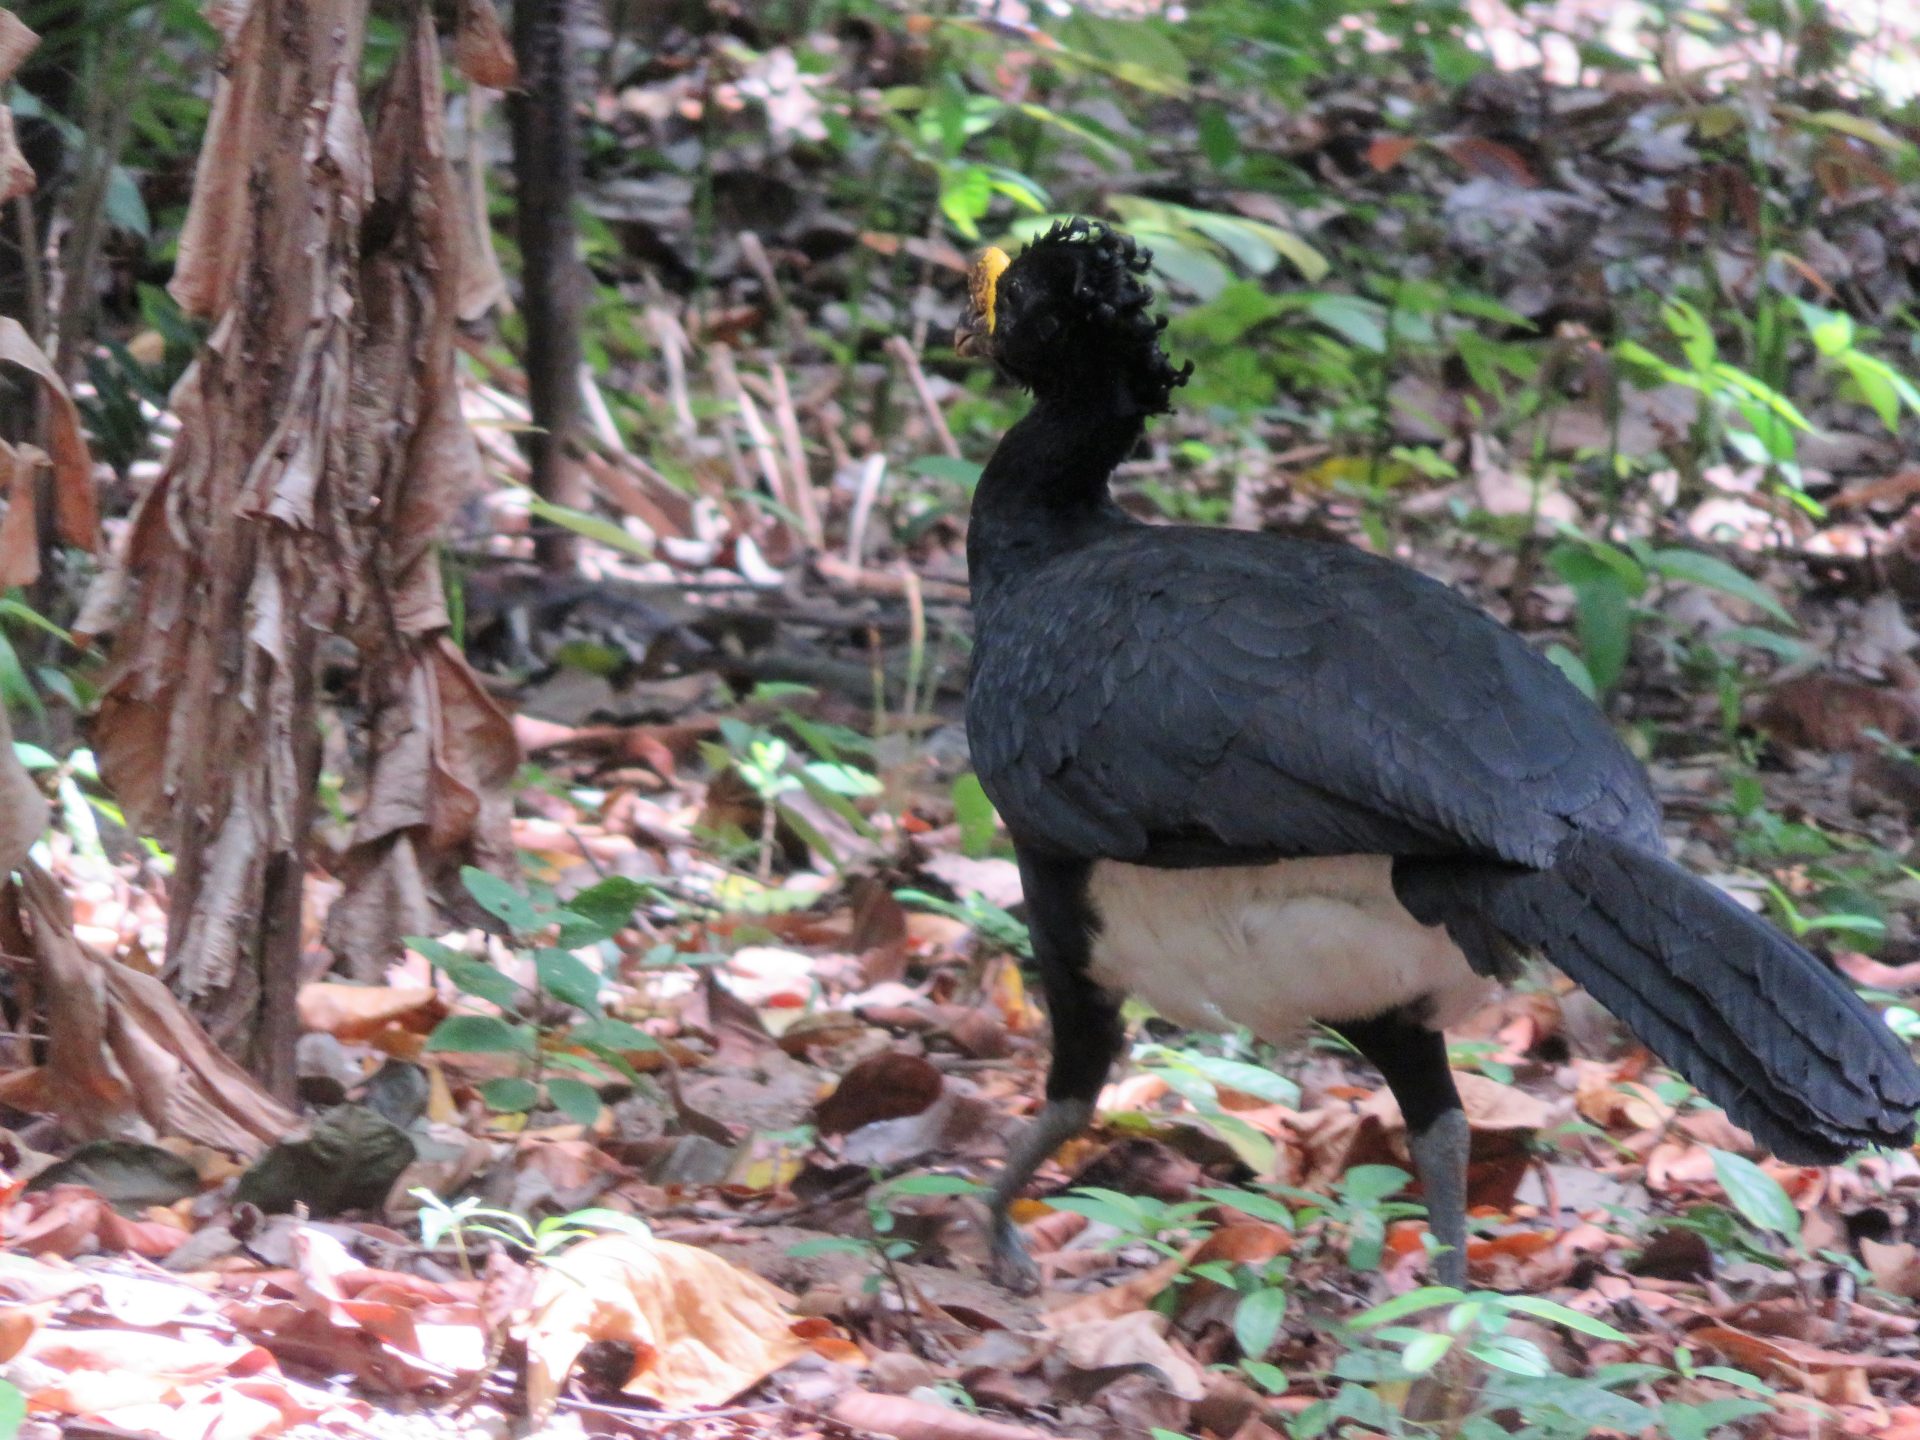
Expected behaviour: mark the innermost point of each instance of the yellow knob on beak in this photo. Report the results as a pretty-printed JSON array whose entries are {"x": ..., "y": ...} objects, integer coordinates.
[{"x": 983, "y": 294}]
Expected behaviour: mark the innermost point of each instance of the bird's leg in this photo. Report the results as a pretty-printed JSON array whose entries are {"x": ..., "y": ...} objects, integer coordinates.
[
  {"x": 1058, "y": 1122},
  {"x": 1086, "y": 1037},
  {"x": 1413, "y": 1061}
]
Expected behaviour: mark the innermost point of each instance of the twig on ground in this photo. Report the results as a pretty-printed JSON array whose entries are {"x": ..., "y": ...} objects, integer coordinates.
[{"x": 910, "y": 362}]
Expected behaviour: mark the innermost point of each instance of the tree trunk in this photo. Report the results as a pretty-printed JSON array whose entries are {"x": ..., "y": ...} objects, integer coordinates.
[
  {"x": 207, "y": 729},
  {"x": 546, "y": 165}
]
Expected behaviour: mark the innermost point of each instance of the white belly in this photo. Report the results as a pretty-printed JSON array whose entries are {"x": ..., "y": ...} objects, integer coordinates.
[{"x": 1274, "y": 947}]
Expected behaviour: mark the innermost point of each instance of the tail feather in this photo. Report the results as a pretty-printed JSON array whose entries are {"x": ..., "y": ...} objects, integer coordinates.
[{"x": 1769, "y": 1033}]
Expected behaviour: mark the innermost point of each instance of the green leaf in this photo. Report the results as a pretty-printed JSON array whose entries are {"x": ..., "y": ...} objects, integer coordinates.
[
  {"x": 975, "y": 813},
  {"x": 499, "y": 899},
  {"x": 574, "y": 1099},
  {"x": 950, "y": 468},
  {"x": 123, "y": 204},
  {"x": 511, "y": 1096},
  {"x": 13, "y": 1409},
  {"x": 605, "y": 532},
  {"x": 1858, "y": 126},
  {"x": 1369, "y": 1184},
  {"x": 1423, "y": 1352},
  {"x": 602, "y": 910},
  {"x": 1603, "y": 617},
  {"x": 1698, "y": 568},
  {"x": 570, "y": 978},
  {"x": 1249, "y": 1202},
  {"x": 837, "y": 778},
  {"x": 1357, "y": 321},
  {"x": 1511, "y": 1354},
  {"x": 470, "y": 976},
  {"x": 611, "y": 1034},
  {"x": 1562, "y": 1315},
  {"x": 1255, "y": 1080},
  {"x": 1757, "y": 1195},
  {"x": 965, "y": 193},
  {"x": 1257, "y": 1320},
  {"x": 1831, "y": 330},
  {"x": 935, "y": 1185},
  {"x": 1136, "y": 52},
  {"x": 1693, "y": 332},
  {"x": 826, "y": 1245},
  {"x": 1187, "y": 266},
  {"x": 1575, "y": 669},
  {"x": 1427, "y": 1297},
  {"x": 481, "y": 1035}
]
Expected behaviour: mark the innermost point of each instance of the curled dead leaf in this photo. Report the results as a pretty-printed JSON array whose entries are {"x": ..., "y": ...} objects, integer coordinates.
[
  {"x": 353, "y": 1012},
  {"x": 481, "y": 50},
  {"x": 76, "y": 512},
  {"x": 887, "y": 1086},
  {"x": 16, "y": 43},
  {"x": 702, "y": 1331},
  {"x": 905, "y": 1419}
]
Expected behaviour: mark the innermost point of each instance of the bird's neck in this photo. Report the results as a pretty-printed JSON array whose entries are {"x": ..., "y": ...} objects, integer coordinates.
[{"x": 1045, "y": 489}]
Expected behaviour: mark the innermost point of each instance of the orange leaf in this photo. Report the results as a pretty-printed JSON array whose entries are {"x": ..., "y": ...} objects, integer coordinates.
[
  {"x": 1489, "y": 158},
  {"x": 1387, "y": 151}
]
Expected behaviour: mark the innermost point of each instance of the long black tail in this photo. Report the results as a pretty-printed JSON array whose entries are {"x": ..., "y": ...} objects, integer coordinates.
[{"x": 1773, "y": 1036}]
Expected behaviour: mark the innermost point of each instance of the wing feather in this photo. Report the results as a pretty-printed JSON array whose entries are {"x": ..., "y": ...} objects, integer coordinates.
[{"x": 1195, "y": 696}]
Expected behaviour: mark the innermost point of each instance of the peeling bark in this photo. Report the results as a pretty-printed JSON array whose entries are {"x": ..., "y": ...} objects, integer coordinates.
[
  {"x": 321, "y": 452},
  {"x": 206, "y": 727}
]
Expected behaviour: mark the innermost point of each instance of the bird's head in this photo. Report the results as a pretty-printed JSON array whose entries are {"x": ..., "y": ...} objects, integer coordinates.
[{"x": 1069, "y": 316}]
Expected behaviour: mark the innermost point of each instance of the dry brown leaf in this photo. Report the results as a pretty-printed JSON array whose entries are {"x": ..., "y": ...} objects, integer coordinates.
[
  {"x": 702, "y": 1330},
  {"x": 19, "y": 529},
  {"x": 1136, "y": 1292},
  {"x": 125, "y": 1058},
  {"x": 23, "y": 809},
  {"x": 1126, "y": 1342},
  {"x": 1784, "y": 1355},
  {"x": 76, "y": 511},
  {"x": 1386, "y": 151},
  {"x": 906, "y": 1419},
  {"x": 1895, "y": 1268},
  {"x": 353, "y": 1012},
  {"x": 481, "y": 50},
  {"x": 442, "y": 752},
  {"x": 16, "y": 43},
  {"x": 1480, "y": 156},
  {"x": 886, "y": 1086}
]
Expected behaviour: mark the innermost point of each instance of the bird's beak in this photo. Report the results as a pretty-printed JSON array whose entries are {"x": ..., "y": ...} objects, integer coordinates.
[
  {"x": 972, "y": 341},
  {"x": 974, "y": 338}
]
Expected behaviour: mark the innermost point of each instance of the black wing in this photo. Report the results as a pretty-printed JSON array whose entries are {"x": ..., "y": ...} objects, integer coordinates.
[{"x": 1190, "y": 696}]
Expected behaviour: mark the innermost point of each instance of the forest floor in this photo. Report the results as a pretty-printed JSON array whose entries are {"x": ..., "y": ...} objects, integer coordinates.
[{"x": 683, "y": 1134}]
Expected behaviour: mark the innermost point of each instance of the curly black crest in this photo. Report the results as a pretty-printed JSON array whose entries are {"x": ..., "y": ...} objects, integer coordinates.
[{"x": 1074, "y": 312}]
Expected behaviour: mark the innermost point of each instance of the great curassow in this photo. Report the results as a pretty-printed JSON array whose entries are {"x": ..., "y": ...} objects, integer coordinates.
[{"x": 1263, "y": 781}]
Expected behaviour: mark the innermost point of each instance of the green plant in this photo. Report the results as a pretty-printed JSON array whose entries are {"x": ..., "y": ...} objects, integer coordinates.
[
  {"x": 1517, "y": 1378},
  {"x": 1731, "y": 399},
  {"x": 1198, "y": 1077},
  {"x": 557, "y": 1022},
  {"x": 1608, "y": 580},
  {"x": 1163, "y": 1226},
  {"x": 767, "y": 762},
  {"x": 882, "y": 1244},
  {"x": 465, "y": 1219},
  {"x": 988, "y": 920}
]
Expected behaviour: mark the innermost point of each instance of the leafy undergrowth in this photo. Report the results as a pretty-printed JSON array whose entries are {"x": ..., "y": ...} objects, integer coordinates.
[
  {"x": 685, "y": 1132},
  {"x": 667, "y": 1143}
]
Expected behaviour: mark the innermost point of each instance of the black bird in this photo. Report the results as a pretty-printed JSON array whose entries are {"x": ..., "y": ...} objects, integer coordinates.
[{"x": 1262, "y": 781}]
